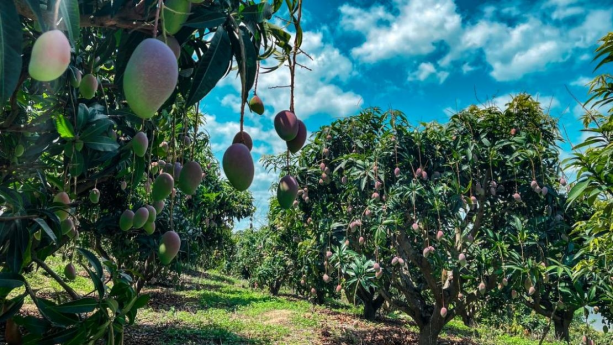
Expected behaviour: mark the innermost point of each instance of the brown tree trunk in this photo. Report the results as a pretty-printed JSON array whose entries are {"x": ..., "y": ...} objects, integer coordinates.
[
  {"x": 429, "y": 333},
  {"x": 561, "y": 327}
]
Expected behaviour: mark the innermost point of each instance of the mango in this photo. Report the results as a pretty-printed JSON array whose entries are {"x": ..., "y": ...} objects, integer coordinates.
[
  {"x": 158, "y": 206},
  {"x": 189, "y": 178},
  {"x": 238, "y": 166},
  {"x": 256, "y": 105},
  {"x": 70, "y": 272},
  {"x": 152, "y": 213},
  {"x": 243, "y": 138},
  {"x": 140, "y": 217},
  {"x": 94, "y": 196},
  {"x": 149, "y": 227},
  {"x": 169, "y": 247},
  {"x": 162, "y": 187},
  {"x": 75, "y": 78},
  {"x": 150, "y": 77},
  {"x": 88, "y": 86},
  {"x": 172, "y": 43},
  {"x": 126, "y": 220},
  {"x": 67, "y": 225},
  {"x": 286, "y": 125},
  {"x": 287, "y": 191},
  {"x": 297, "y": 143},
  {"x": 175, "y": 13},
  {"x": 140, "y": 144},
  {"x": 50, "y": 56},
  {"x": 62, "y": 197}
]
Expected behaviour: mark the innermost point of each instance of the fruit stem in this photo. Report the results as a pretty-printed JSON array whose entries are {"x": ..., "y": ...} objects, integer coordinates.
[{"x": 155, "y": 28}]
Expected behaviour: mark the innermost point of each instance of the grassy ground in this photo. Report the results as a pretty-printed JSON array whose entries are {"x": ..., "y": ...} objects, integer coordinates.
[{"x": 210, "y": 308}]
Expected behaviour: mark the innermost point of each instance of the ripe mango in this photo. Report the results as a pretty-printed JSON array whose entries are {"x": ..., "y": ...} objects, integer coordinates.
[
  {"x": 287, "y": 191},
  {"x": 50, "y": 56},
  {"x": 190, "y": 177},
  {"x": 169, "y": 247},
  {"x": 286, "y": 125},
  {"x": 297, "y": 143},
  {"x": 162, "y": 187},
  {"x": 238, "y": 166}
]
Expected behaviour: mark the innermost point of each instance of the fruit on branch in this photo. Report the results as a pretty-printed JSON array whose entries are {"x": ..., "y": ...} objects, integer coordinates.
[
  {"x": 439, "y": 235},
  {"x": 401, "y": 261},
  {"x": 344, "y": 180},
  {"x": 238, "y": 166},
  {"x": 70, "y": 272},
  {"x": 158, "y": 206},
  {"x": 326, "y": 152},
  {"x": 150, "y": 77},
  {"x": 534, "y": 184},
  {"x": 418, "y": 173},
  {"x": 175, "y": 13},
  {"x": 126, "y": 220},
  {"x": 397, "y": 171},
  {"x": 286, "y": 125},
  {"x": 482, "y": 288},
  {"x": 504, "y": 282},
  {"x": 322, "y": 166},
  {"x": 94, "y": 195},
  {"x": 243, "y": 138},
  {"x": 517, "y": 197},
  {"x": 88, "y": 86},
  {"x": 62, "y": 197},
  {"x": 531, "y": 290},
  {"x": 425, "y": 175},
  {"x": 287, "y": 191},
  {"x": 474, "y": 201},
  {"x": 255, "y": 104},
  {"x": 140, "y": 217},
  {"x": 376, "y": 266},
  {"x": 75, "y": 78},
  {"x": 443, "y": 312},
  {"x": 462, "y": 259},
  {"x": 379, "y": 274},
  {"x": 338, "y": 288},
  {"x": 140, "y": 144},
  {"x": 189, "y": 178},
  {"x": 172, "y": 43},
  {"x": 375, "y": 196},
  {"x": 169, "y": 247},
  {"x": 123, "y": 185},
  {"x": 563, "y": 181},
  {"x": 395, "y": 260},
  {"x": 415, "y": 226},
  {"x": 162, "y": 187},
  {"x": 153, "y": 214},
  {"x": 19, "y": 149},
  {"x": 149, "y": 227},
  {"x": 361, "y": 240},
  {"x": 368, "y": 213},
  {"x": 513, "y": 131},
  {"x": 67, "y": 225},
  {"x": 50, "y": 56},
  {"x": 326, "y": 278},
  {"x": 378, "y": 185},
  {"x": 313, "y": 291},
  {"x": 329, "y": 254},
  {"x": 544, "y": 191},
  {"x": 514, "y": 294},
  {"x": 297, "y": 143}
]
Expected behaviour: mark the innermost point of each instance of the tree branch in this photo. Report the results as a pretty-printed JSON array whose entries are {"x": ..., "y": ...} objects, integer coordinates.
[{"x": 68, "y": 289}]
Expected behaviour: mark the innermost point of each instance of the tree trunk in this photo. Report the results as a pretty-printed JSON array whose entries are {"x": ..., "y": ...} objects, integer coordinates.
[
  {"x": 561, "y": 328},
  {"x": 429, "y": 333}
]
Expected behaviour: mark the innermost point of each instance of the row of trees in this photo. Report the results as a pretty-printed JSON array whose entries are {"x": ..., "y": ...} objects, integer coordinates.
[
  {"x": 76, "y": 158},
  {"x": 440, "y": 219}
]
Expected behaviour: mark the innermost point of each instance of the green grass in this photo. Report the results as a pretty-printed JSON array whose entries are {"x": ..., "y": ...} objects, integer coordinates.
[{"x": 211, "y": 308}]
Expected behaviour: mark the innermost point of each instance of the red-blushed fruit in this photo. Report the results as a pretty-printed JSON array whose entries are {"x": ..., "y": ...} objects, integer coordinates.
[
  {"x": 140, "y": 217},
  {"x": 439, "y": 235},
  {"x": 338, "y": 288},
  {"x": 544, "y": 191},
  {"x": 375, "y": 196},
  {"x": 514, "y": 294},
  {"x": 426, "y": 252},
  {"x": 425, "y": 175},
  {"x": 286, "y": 125},
  {"x": 123, "y": 185},
  {"x": 394, "y": 261},
  {"x": 460, "y": 296},
  {"x": 326, "y": 278},
  {"x": 238, "y": 166},
  {"x": 172, "y": 43},
  {"x": 397, "y": 171},
  {"x": 169, "y": 247},
  {"x": 531, "y": 291},
  {"x": 297, "y": 143},
  {"x": 513, "y": 131},
  {"x": 418, "y": 173},
  {"x": 162, "y": 187},
  {"x": 152, "y": 213},
  {"x": 344, "y": 180},
  {"x": 378, "y": 185},
  {"x": 361, "y": 240},
  {"x": 379, "y": 274},
  {"x": 326, "y": 152},
  {"x": 149, "y": 227},
  {"x": 517, "y": 197},
  {"x": 595, "y": 309},
  {"x": 302, "y": 281},
  {"x": 534, "y": 184},
  {"x": 50, "y": 56},
  {"x": 443, "y": 312},
  {"x": 482, "y": 288},
  {"x": 287, "y": 190},
  {"x": 255, "y": 104},
  {"x": 62, "y": 197},
  {"x": 243, "y": 138},
  {"x": 462, "y": 259},
  {"x": 313, "y": 291},
  {"x": 376, "y": 266},
  {"x": 563, "y": 181},
  {"x": 322, "y": 166},
  {"x": 190, "y": 177},
  {"x": 88, "y": 86},
  {"x": 140, "y": 144},
  {"x": 70, "y": 272},
  {"x": 368, "y": 213},
  {"x": 126, "y": 220},
  {"x": 401, "y": 261},
  {"x": 150, "y": 77},
  {"x": 415, "y": 226},
  {"x": 504, "y": 282},
  {"x": 329, "y": 253}
]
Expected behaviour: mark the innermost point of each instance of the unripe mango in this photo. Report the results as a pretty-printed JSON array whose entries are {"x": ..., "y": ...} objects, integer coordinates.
[
  {"x": 152, "y": 214},
  {"x": 65, "y": 199},
  {"x": 70, "y": 272},
  {"x": 150, "y": 77},
  {"x": 238, "y": 166},
  {"x": 73, "y": 234},
  {"x": 126, "y": 220},
  {"x": 190, "y": 177},
  {"x": 287, "y": 191},
  {"x": 158, "y": 206},
  {"x": 140, "y": 144},
  {"x": 243, "y": 138},
  {"x": 140, "y": 217},
  {"x": 162, "y": 187},
  {"x": 286, "y": 125},
  {"x": 50, "y": 56},
  {"x": 172, "y": 43},
  {"x": 88, "y": 86},
  {"x": 19, "y": 149},
  {"x": 94, "y": 196},
  {"x": 75, "y": 78},
  {"x": 67, "y": 225},
  {"x": 256, "y": 105},
  {"x": 149, "y": 227},
  {"x": 169, "y": 247},
  {"x": 176, "y": 12},
  {"x": 297, "y": 143}
]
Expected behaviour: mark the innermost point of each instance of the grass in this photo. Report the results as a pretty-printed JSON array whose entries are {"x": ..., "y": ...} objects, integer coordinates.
[{"x": 211, "y": 308}]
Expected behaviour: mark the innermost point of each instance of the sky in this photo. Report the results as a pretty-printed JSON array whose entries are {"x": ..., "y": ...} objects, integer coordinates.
[{"x": 426, "y": 58}]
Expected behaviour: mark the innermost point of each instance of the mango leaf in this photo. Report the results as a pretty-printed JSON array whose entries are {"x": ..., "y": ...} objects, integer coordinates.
[
  {"x": 207, "y": 20},
  {"x": 101, "y": 143},
  {"x": 84, "y": 305},
  {"x": 10, "y": 280},
  {"x": 251, "y": 56},
  {"x": 69, "y": 14},
  {"x": 93, "y": 261},
  {"x": 10, "y": 49},
  {"x": 19, "y": 239},
  {"x": 257, "y": 13},
  {"x": 12, "y": 307},
  {"x": 76, "y": 164},
  {"x": 33, "y": 324},
  {"x": 65, "y": 128},
  {"x": 46, "y": 228},
  {"x": 211, "y": 67},
  {"x": 49, "y": 311},
  {"x": 576, "y": 191}
]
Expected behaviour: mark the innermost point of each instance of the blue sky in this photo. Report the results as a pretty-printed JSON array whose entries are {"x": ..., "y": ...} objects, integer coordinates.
[{"x": 426, "y": 58}]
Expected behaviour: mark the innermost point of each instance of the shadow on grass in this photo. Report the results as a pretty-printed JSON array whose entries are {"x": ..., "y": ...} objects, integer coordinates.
[
  {"x": 182, "y": 335},
  {"x": 460, "y": 330},
  {"x": 209, "y": 275},
  {"x": 230, "y": 299}
]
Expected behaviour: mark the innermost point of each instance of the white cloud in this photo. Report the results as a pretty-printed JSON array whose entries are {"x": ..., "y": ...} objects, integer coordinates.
[
  {"x": 426, "y": 70},
  {"x": 412, "y": 32},
  {"x": 581, "y": 81}
]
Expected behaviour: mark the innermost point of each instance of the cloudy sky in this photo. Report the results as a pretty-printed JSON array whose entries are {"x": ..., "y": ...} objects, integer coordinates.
[{"x": 427, "y": 58}]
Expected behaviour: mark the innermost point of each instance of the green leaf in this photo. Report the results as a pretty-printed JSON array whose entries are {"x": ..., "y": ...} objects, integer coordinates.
[
  {"x": 208, "y": 20},
  {"x": 257, "y": 13},
  {"x": 49, "y": 311},
  {"x": 576, "y": 191},
  {"x": 32, "y": 324},
  {"x": 93, "y": 260},
  {"x": 251, "y": 57},
  {"x": 10, "y": 49},
  {"x": 211, "y": 67},
  {"x": 69, "y": 14},
  {"x": 65, "y": 128},
  {"x": 46, "y": 228},
  {"x": 19, "y": 240},
  {"x": 10, "y": 280},
  {"x": 141, "y": 301},
  {"x": 77, "y": 164},
  {"x": 101, "y": 143},
  {"x": 12, "y": 307},
  {"x": 84, "y": 305},
  {"x": 94, "y": 129}
]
